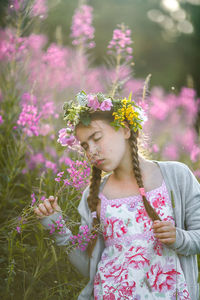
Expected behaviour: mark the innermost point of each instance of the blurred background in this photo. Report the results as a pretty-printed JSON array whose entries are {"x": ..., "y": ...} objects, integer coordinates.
[{"x": 166, "y": 35}]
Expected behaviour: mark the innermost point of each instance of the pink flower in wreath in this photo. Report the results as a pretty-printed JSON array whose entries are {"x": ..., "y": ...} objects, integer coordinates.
[
  {"x": 93, "y": 102},
  {"x": 106, "y": 105}
]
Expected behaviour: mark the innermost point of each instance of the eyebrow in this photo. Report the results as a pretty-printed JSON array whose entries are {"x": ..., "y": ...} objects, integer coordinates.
[{"x": 89, "y": 138}]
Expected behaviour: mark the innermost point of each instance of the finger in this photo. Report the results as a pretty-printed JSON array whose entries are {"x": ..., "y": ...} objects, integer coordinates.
[
  {"x": 157, "y": 224},
  {"x": 167, "y": 241},
  {"x": 38, "y": 212},
  {"x": 55, "y": 205},
  {"x": 43, "y": 209},
  {"x": 163, "y": 229},
  {"x": 165, "y": 235},
  {"x": 51, "y": 198},
  {"x": 48, "y": 206}
]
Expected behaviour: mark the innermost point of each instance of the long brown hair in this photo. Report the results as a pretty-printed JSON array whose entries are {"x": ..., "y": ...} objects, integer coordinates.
[{"x": 95, "y": 180}]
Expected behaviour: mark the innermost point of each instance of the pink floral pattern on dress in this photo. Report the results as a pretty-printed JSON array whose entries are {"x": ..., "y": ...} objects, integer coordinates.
[{"x": 134, "y": 264}]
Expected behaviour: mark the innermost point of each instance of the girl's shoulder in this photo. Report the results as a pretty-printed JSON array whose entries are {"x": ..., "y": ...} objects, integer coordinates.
[{"x": 175, "y": 167}]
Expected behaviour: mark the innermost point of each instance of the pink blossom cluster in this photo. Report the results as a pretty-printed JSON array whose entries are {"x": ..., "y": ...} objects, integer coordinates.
[
  {"x": 120, "y": 43},
  {"x": 33, "y": 199},
  {"x": 95, "y": 104},
  {"x": 51, "y": 165},
  {"x": 65, "y": 139},
  {"x": 39, "y": 9},
  {"x": 57, "y": 226},
  {"x": 82, "y": 29},
  {"x": 28, "y": 98},
  {"x": 82, "y": 239},
  {"x": 29, "y": 119},
  {"x": 11, "y": 46},
  {"x": 77, "y": 173},
  {"x": 56, "y": 56},
  {"x": 16, "y": 4}
]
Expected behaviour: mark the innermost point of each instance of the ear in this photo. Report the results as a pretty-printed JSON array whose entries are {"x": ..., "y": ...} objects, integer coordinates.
[{"x": 127, "y": 131}]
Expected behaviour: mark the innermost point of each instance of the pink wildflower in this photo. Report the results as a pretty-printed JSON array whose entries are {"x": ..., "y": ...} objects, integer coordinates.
[
  {"x": 65, "y": 139},
  {"x": 45, "y": 129},
  {"x": 78, "y": 174},
  {"x": 18, "y": 228},
  {"x": 66, "y": 160},
  {"x": 82, "y": 30},
  {"x": 171, "y": 152},
  {"x": 106, "y": 105},
  {"x": 1, "y": 119},
  {"x": 56, "y": 57},
  {"x": 93, "y": 102},
  {"x": 57, "y": 226},
  {"x": 39, "y": 9},
  {"x": 50, "y": 165},
  {"x": 33, "y": 199},
  {"x": 29, "y": 119},
  {"x": 155, "y": 148},
  {"x": 82, "y": 239},
  {"x": 28, "y": 98},
  {"x": 16, "y": 4},
  {"x": 120, "y": 43},
  {"x": 195, "y": 153},
  {"x": 35, "y": 160}
]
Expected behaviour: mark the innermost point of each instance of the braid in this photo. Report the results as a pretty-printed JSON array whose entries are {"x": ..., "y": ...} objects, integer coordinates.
[
  {"x": 134, "y": 150},
  {"x": 93, "y": 200}
]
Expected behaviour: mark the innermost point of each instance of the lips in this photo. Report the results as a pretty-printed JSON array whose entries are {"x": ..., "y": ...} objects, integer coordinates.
[{"x": 99, "y": 162}]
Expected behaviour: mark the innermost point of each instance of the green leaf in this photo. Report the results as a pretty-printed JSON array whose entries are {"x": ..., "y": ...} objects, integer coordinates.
[
  {"x": 82, "y": 98},
  {"x": 101, "y": 97},
  {"x": 172, "y": 199},
  {"x": 85, "y": 118}
]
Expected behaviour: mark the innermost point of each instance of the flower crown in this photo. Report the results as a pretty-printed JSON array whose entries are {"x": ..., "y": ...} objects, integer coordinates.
[{"x": 79, "y": 111}]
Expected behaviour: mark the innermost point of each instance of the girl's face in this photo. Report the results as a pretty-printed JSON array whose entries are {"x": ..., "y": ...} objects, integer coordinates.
[{"x": 105, "y": 147}]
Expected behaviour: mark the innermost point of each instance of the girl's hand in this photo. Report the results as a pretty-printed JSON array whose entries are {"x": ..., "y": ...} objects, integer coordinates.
[
  {"x": 47, "y": 207},
  {"x": 165, "y": 232}
]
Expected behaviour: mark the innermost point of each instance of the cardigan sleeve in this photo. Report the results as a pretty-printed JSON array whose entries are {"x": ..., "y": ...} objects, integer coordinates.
[
  {"x": 77, "y": 257},
  {"x": 188, "y": 239}
]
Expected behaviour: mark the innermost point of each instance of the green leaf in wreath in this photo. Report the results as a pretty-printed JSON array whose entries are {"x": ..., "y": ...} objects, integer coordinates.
[
  {"x": 85, "y": 118},
  {"x": 101, "y": 97},
  {"x": 82, "y": 98}
]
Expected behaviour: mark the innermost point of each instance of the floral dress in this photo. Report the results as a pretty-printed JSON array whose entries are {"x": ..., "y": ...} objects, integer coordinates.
[{"x": 134, "y": 264}]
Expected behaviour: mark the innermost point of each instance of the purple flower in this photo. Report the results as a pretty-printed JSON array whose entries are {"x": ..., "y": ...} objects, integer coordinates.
[
  {"x": 45, "y": 129},
  {"x": 33, "y": 199},
  {"x": 1, "y": 119},
  {"x": 39, "y": 9},
  {"x": 29, "y": 119},
  {"x": 57, "y": 226},
  {"x": 78, "y": 174},
  {"x": 28, "y": 98},
  {"x": 65, "y": 139},
  {"x": 18, "y": 228},
  {"x": 120, "y": 43},
  {"x": 50, "y": 165},
  {"x": 93, "y": 102},
  {"x": 106, "y": 105},
  {"x": 82, "y": 29}
]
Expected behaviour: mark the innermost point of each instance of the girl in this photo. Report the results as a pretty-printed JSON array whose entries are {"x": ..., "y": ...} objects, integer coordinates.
[{"x": 149, "y": 210}]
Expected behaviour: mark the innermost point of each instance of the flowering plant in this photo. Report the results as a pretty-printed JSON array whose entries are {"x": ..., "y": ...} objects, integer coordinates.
[
  {"x": 82, "y": 239},
  {"x": 122, "y": 110}
]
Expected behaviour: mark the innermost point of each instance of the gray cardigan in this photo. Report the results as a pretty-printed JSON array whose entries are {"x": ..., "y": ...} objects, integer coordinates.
[{"x": 186, "y": 193}]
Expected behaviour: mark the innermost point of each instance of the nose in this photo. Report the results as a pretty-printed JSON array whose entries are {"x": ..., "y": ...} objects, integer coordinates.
[{"x": 92, "y": 151}]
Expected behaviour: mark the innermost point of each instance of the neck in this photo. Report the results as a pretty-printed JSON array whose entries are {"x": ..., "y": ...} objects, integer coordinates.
[{"x": 125, "y": 171}]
